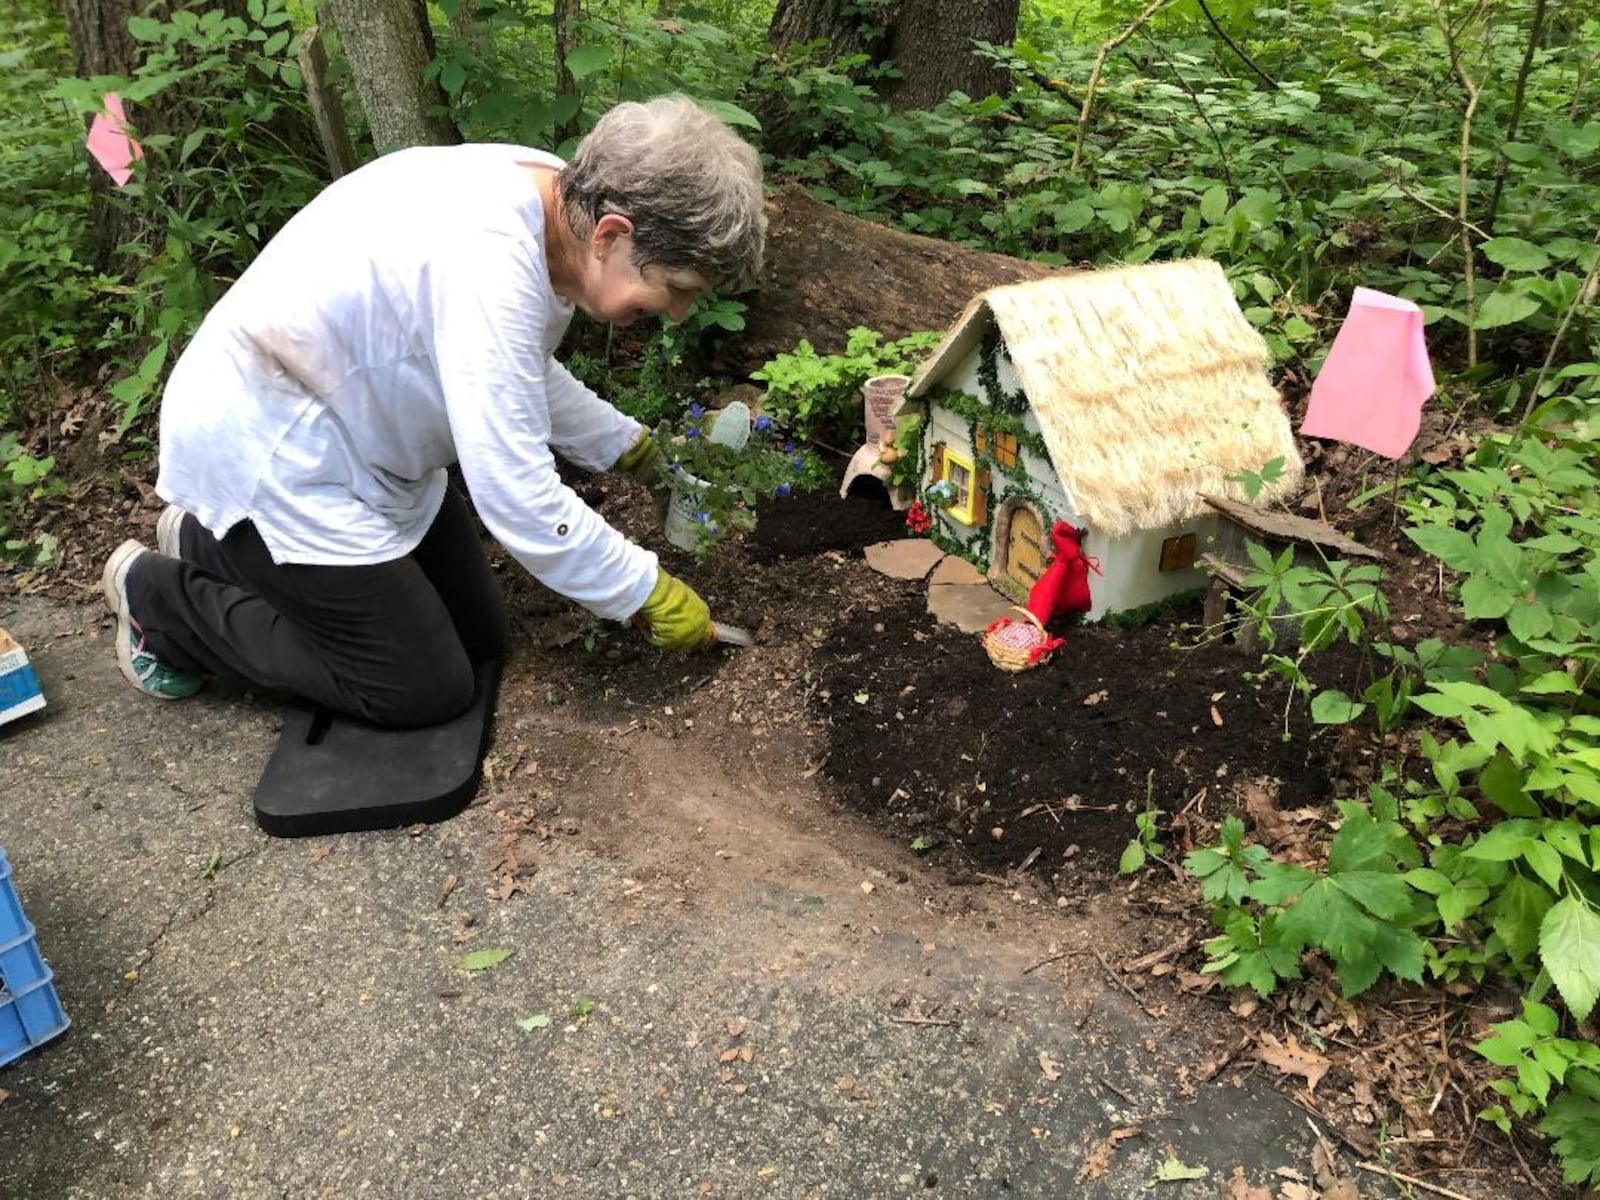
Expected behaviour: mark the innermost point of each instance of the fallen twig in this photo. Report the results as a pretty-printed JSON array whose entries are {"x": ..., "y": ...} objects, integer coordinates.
[
  {"x": 923, "y": 1021},
  {"x": 1116, "y": 1091},
  {"x": 1210, "y": 1071},
  {"x": 1048, "y": 959},
  {"x": 1350, "y": 1143},
  {"x": 1413, "y": 1181},
  {"x": 1147, "y": 961},
  {"x": 1121, "y": 983}
]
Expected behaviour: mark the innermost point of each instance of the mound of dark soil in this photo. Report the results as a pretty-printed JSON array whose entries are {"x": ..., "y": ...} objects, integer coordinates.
[
  {"x": 815, "y": 522},
  {"x": 1045, "y": 765}
]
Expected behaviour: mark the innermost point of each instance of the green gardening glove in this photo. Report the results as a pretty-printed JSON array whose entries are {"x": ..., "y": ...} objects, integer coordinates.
[
  {"x": 645, "y": 462},
  {"x": 674, "y": 616}
]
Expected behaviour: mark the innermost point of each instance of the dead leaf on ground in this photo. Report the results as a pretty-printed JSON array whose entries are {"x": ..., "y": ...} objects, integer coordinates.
[
  {"x": 4, "y": 1095},
  {"x": 1341, "y": 1189},
  {"x": 1193, "y": 981},
  {"x": 1050, "y": 1067},
  {"x": 1324, "y": 1167},
  {"x": 1293, "y": 1059},
  {"x": 1098, "y": 1160},
  {"x": 320, "y": 852},
  {"x": 510, "y": 885},
  {"x": 1259, "y": 798},
  {"x": 1240, "y": 1188}
]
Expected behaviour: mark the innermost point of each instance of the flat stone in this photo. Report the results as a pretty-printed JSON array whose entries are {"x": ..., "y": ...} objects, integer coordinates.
[
  {"x": 971, "y": 608},
  {"x": 904, "y": 558},
  {"x": 955, "y": 569}
]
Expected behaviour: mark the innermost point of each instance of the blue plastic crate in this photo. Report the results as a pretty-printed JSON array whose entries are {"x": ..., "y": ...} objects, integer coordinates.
[{"x": 30, "y": 1014}]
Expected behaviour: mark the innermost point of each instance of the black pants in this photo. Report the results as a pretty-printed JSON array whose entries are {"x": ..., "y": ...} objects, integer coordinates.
[{"x": 393, "y": 643}]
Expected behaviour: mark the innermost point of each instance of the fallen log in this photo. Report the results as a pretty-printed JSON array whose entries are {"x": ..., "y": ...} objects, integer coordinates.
[{"x": 827, "y": 272}]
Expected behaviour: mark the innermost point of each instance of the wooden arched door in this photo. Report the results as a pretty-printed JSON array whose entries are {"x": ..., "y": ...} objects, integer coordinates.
[{"x": 1024, "y": 546}]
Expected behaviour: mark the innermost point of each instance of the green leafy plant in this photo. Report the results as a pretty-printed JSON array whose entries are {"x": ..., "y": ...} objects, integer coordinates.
[
  {"x": 1253, "y": 483},
  {"x": 818, "y": 396},
  {"x": 1358, "y": 910},
  {"x": 26, "y": 481},
  {"x": 1310, "y": 606},
  {"x": 1486, "y": 865},
  {"x": 1146, "y": 843}
]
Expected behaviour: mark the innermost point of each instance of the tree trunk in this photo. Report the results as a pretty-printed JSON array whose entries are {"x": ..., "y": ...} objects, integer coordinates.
[
  {"x": 930, "y": 41},
  {"x": 388, "y": 48},
  {"x": 827, "y": 272},
  {"x": 102, "y": 45},
  {"x": 564, "y": 20},
  {"x": 843, "y": 24}
]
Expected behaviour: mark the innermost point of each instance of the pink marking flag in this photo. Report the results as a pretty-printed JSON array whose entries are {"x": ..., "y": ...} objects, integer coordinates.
[
  {"x": 1372, "y": 386},
  {"x": 110, "y": 142}
]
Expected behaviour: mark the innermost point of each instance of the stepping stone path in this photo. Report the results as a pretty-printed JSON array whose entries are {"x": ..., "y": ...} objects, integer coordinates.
[
  {"x": 958, "y": 594},
  {"x": 906, "y": 558}
]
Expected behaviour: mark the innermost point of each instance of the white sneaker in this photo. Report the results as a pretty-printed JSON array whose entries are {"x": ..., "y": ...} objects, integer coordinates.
[
  {"x": 168, "y": 529},
  {"x": 140, "y": 667}
]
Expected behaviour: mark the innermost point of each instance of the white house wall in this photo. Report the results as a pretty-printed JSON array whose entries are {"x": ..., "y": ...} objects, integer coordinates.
[{"x": 1132, "y": 567}]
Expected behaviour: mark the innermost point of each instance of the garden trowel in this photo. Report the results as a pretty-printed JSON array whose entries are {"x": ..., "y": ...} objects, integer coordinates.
[{"x": 729, "y": 635}]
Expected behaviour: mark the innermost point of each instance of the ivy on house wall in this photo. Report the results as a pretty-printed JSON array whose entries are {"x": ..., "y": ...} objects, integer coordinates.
[{"x": 998, "y": 412}]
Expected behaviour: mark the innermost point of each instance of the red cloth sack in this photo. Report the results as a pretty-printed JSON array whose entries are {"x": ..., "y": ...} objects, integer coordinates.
[{"x": 1064, "y": 586}]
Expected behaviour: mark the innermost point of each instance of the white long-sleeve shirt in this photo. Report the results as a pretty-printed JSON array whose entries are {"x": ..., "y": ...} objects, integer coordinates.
[{"x": 404, "y": 320}]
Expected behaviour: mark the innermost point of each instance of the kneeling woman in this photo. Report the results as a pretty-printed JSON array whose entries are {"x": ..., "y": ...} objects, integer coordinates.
[{"x": 404, "y": 321}]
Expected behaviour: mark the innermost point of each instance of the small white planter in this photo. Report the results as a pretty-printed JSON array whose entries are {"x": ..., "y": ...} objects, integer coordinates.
[{"x": 681, "y": 527}]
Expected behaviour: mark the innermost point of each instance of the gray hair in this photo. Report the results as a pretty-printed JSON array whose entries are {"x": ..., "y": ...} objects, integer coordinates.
[{"x": 690, "y": 185}]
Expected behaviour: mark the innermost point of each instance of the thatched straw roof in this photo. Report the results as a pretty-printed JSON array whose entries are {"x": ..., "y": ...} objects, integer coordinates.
[{"x": 1148, "y": 384}]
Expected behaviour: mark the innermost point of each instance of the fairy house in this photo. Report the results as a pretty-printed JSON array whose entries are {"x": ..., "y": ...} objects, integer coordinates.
[{"x": 1113, "y": 400}]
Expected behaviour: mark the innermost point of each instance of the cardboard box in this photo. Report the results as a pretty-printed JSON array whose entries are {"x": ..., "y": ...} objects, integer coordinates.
[{"x": 20, "y": 693}]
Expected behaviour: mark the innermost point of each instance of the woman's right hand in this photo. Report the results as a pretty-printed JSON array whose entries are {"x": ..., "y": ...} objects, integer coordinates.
[{"x": 675, "y": 617}]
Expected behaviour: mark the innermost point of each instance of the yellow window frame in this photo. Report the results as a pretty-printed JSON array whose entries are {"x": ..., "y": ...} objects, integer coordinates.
[{"x": 963, "y": 505}]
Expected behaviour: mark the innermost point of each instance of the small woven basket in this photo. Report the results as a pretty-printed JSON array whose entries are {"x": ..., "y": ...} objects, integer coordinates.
[{"x": 1015, "y": 645}]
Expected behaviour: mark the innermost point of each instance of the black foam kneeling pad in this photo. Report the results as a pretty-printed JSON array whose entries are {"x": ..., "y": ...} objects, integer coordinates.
[{"x": 335, "y": 774}]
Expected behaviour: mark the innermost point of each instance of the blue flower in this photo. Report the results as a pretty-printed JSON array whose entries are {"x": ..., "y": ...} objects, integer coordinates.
[
  {"x": 691, "y": 432},
  {"x": 696, "y": 411},
  {"x": 702, "y": 516},
  {"x": 675, "y": 468},
  {"x": 788, "y": 447},
  {"x": 783, "y": 490},
  {"x": 763, "y": 423},
  {"x": 799, "y": 462}
]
